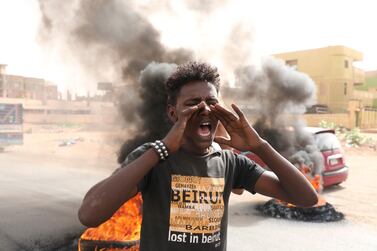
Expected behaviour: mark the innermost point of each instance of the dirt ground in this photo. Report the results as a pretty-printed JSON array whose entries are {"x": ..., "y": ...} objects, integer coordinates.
[
  {"x": 357, "y": 197},
  {"x": 57, "y": 165}
]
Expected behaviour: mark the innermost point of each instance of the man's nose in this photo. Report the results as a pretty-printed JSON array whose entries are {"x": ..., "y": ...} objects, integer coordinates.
[{"x": 205, "y": 108}]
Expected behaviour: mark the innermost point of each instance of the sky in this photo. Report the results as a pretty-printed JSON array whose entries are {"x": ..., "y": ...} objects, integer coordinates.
[{"x": 276, "y": 26}]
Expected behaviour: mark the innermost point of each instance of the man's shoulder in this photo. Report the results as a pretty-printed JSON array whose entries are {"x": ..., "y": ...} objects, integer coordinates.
[
  {"x": 236, "y": 157},
  {"x": 226, "y": 153},
  {"x": 136, "y": 153}
]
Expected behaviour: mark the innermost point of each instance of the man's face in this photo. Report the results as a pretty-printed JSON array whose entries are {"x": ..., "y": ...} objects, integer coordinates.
[{"x": 201, "y": 127}]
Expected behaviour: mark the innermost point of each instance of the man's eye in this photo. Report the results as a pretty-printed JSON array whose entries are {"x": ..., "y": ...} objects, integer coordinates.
[{"x": 212, "y": 102}]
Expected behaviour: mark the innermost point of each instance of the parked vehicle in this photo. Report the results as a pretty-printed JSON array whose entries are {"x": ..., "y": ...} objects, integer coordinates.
[
  {"x": 11, "y": 125},
  {"x": 335, "y": 170}
]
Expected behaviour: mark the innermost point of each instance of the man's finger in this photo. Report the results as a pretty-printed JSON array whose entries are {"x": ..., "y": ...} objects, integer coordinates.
[
  {"x": 226, "y": 113},
  {"x": 222, "y": 140},
  {"x": 219, "y": 116},
  {"x": 239, "y": 112},
  {"x": 189, "y": 111}
]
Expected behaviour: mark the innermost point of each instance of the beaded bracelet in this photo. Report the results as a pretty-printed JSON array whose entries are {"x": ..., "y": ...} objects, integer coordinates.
[{"x": 161, "y": 149}]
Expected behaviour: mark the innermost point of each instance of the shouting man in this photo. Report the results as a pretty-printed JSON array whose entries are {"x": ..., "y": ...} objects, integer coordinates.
[{"x": 186, "y": 182}]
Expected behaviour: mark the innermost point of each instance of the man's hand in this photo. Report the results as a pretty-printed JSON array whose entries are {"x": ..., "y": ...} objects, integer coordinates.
[
  {"x": 174, "y": 139},
  {"x": 243, "y": 137},
  {"x": 285, "y": 182}
]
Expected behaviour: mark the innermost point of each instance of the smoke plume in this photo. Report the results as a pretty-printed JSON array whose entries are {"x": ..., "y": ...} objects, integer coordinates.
[
  {"x": 108, "y": 34},
  {"x": 112, "y": 40},
  {"x": 151, "y": 113},
  {"x": 115, "y": 40},
  {"x": 279, "y": 95},
  {"x": 204, "y": 6}
]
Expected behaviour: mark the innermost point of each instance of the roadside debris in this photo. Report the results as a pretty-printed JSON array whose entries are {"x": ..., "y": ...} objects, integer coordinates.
[{"x": 70, "y": 142}]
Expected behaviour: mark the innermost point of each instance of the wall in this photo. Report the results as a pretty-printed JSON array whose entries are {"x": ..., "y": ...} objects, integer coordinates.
[
  {"x": 366, "y": 119},
  {"x": 62, "y": 111},
  {"x": 340, "y": 119},
  {"x": 69, "y": 118}
]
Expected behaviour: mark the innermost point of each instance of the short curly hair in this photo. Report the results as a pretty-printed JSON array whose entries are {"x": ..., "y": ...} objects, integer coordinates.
[{"x": 188, "y": 72}]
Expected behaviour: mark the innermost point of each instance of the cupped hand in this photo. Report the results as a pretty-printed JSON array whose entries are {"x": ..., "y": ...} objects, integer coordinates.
[
  {"x": 174, "y": 139},
  {"x": 242, "y": 135}
]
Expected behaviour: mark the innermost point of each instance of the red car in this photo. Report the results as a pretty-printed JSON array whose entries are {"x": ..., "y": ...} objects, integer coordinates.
[{"x": 335, "y": 170}]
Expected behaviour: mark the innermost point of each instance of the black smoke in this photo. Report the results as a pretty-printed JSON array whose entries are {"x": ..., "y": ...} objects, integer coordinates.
[
  {"x": 108, "y": 31},
  {"x": 112, "y": 36},
  {"x": 280, "y": 96},
  {"x": 154, "y": 123}
]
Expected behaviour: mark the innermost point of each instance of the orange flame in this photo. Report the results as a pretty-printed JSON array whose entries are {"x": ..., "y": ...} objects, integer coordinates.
[
  {"x": 316, "y": 182},
  {"x": 124, "y": 225}
]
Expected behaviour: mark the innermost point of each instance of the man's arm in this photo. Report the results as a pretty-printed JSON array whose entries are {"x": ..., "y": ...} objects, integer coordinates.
[
  {"x": 103, "y": 199},
  {"x": 285, "y": 182}
]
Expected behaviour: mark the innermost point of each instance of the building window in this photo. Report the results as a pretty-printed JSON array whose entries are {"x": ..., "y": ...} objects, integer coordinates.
[
  {"x": 292, "y": 63},
  {"x": 345, "y": 88},
  {"x": 345, "y": 63}
]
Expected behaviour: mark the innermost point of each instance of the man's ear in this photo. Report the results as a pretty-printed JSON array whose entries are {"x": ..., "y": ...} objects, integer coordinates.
[{"x": 172, "y": 113}]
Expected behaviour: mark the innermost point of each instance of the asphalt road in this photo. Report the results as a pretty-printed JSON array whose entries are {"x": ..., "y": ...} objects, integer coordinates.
[
  {"x": 40, "y": 198},
  {"x": 248, "y": 230},
  {"x": 40, "y": 195}
]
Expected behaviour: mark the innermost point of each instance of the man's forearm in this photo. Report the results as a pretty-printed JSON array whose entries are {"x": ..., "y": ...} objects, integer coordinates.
[
  {"x": 106, "y": 197},
  {"x": 294, "y": 183}
]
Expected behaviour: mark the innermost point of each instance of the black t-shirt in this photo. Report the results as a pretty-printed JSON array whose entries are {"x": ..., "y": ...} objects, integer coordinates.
[{"x": 185, "y": 199}]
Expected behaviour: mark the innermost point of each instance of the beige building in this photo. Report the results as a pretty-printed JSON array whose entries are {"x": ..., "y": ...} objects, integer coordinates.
[
  {"x": 334, "y": 73},
  {"x": 42, "y": 103},
  {"x": 64, "y": 111},
  {"x": 14, "y": 86}
]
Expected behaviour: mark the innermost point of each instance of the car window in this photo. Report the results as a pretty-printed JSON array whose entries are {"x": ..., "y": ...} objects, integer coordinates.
[{"x": 326, "y": 141}]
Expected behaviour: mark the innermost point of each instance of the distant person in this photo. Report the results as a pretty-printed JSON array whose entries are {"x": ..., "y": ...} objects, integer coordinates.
[{"x": 185, "y": 182}]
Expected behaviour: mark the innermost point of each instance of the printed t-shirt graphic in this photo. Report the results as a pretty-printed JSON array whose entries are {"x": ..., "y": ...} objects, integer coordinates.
[{"x": 196, "y": 209}]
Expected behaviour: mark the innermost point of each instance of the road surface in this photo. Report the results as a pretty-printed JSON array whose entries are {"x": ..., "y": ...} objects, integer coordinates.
[{"x": 42, "y": 185}]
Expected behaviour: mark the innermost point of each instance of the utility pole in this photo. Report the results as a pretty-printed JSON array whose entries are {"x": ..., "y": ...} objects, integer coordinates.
[{"x": 4, "y": 86}]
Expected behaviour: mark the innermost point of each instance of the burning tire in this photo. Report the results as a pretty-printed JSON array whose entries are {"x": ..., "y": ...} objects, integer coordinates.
[
  {"x": 92, "y": 245},
  {"x": 120, "y": 232},
  {"x": 320, "y": 213}
]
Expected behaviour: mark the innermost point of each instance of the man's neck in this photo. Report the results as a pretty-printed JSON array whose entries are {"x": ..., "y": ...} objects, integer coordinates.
[{"x": 194, "y": 149}]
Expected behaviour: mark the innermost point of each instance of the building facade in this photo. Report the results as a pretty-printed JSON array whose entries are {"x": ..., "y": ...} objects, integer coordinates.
[
  {"x": 15, "y": 86},
  {"x": 332, "y": 69}
]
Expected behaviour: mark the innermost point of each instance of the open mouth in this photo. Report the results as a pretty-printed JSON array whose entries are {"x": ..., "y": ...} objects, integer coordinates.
[{"x": 205, "y": 129}]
